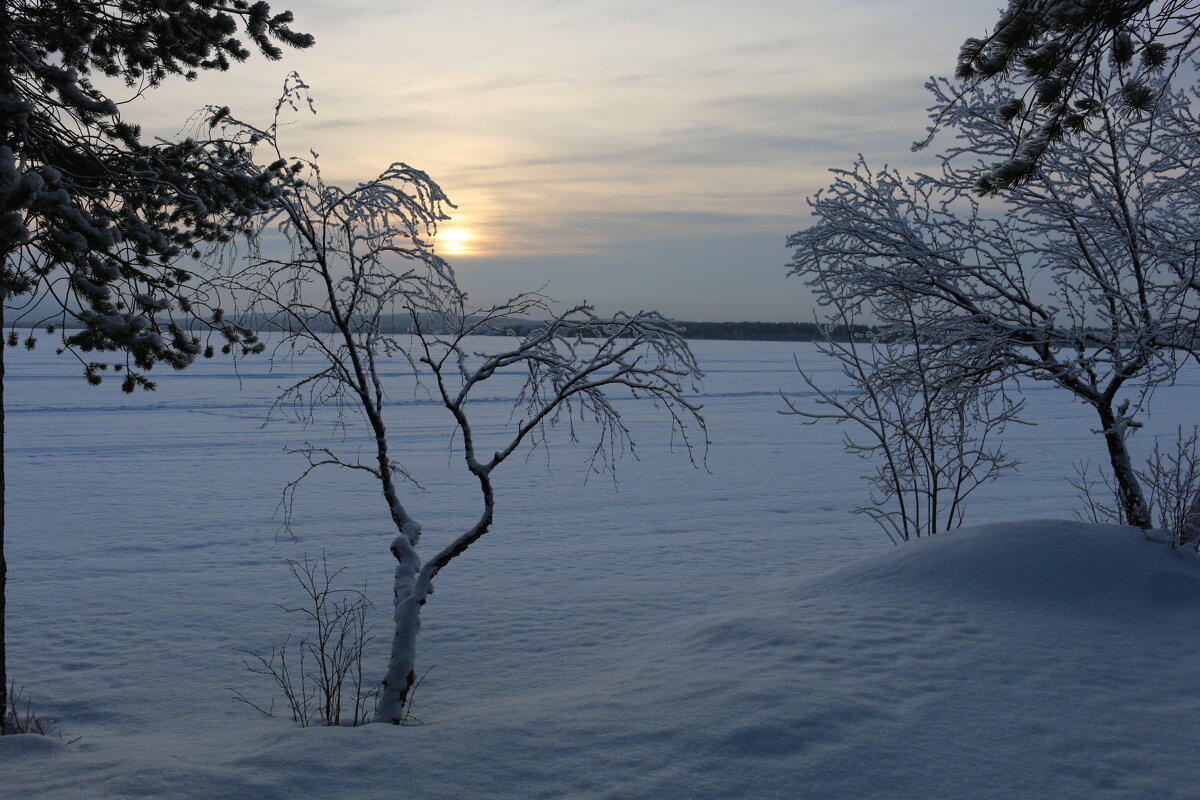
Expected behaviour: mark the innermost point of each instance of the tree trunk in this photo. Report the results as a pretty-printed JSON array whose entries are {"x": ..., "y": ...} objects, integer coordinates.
[
  {"x": 7, "y": 139},
  {"x": 411, "y": 588},
  {"x": 3, "y": 562},
  {"x": 1129, "y": 489}
]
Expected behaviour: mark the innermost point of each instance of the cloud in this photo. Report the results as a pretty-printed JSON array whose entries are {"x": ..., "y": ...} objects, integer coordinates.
[{"x": 609, "y": 129}]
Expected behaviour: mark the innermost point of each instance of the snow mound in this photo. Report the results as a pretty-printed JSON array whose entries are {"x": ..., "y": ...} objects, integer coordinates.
[
  {"x": 1057, "y": 566},
  {"x": 1038, "y": 659},
  {"x": 1031, "y": 659}
]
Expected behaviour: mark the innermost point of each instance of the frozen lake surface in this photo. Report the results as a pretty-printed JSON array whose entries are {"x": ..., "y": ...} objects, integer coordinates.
[{"x": 144, "y": 551}]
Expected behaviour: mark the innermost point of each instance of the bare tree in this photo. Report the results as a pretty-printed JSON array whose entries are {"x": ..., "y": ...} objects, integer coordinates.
[
  {"x": 933, "y": 443},
  {"x": 358, "y": 258},
  {"x": 1086, "y": 276}
]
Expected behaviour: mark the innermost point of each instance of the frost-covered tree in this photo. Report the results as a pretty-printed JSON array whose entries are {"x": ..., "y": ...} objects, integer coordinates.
[
  {"x": 358, "y": 258},
  {"x": 933, "y": 443},
  {"x": 1071, "y": 62},
  {"x": 94, "y": 220},
  {"x": 1086, "y": 276}
]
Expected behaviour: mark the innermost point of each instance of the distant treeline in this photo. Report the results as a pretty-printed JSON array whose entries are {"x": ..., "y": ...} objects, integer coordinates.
[
  {"x": 739, "y": 331},
  {"x": 765, "y": 331}
]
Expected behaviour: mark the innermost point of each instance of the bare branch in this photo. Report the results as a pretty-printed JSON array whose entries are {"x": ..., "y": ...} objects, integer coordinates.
[
  {"x": 359, "y": 260},
  {"x": 1083, "y": 277}
]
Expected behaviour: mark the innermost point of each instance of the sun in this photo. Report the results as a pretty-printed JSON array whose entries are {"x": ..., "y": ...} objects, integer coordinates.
[{"x": 453, "y": 241}]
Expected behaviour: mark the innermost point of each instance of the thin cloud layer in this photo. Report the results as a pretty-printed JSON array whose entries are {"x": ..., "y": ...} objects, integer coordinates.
[{"x": 591, "y": 134}]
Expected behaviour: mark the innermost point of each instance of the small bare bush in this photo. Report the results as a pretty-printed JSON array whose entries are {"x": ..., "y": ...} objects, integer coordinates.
[
  {"x": 320, "y": 674},
  {"x": 1096, "y": 490},
  {"x": 1172, "y": 480},
  {"x": 930, "y": 434},
  {"x": 23, "y": 720}
]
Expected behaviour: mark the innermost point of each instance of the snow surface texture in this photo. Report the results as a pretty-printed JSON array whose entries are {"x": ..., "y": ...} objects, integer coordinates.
[{"x": 734, "y": 634}]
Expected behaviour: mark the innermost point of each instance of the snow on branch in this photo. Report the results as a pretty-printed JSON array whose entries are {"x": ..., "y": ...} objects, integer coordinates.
[
  {"x": 1084, "y": 276},
  {"x": 361, "y": 287}
]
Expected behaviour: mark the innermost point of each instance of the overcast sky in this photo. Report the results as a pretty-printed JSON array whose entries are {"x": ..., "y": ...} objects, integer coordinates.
[{"x": 633, "y": 154}]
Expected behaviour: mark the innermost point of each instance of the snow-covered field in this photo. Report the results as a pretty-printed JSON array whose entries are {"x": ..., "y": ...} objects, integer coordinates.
[{"x": 724, "y": 633}]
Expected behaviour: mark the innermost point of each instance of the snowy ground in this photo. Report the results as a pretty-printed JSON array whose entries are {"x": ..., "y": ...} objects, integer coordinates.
[{"x": 730, "y": 633}]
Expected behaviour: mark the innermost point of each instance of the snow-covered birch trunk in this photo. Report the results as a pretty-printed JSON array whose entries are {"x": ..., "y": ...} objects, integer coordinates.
[
  {"x": 410, "y": 590},
  {"x": 360, "y": 260}
]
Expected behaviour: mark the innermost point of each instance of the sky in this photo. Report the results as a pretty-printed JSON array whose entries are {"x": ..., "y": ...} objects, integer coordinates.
[{"x": 634, "y": 155}]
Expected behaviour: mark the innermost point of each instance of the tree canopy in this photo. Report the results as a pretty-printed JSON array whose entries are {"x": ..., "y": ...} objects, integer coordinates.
[
  {"x": 1086, "y": 277},
  {"x": 1068, "y": 62},
  {"x": 94, "y": 221}
]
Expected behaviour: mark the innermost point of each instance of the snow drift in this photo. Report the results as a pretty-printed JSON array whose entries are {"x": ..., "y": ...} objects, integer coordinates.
[{"x": 1032, "y": 659}]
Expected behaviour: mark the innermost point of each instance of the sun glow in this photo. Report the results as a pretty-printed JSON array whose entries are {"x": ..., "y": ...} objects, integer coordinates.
[{"x": 453, "y": 241}]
